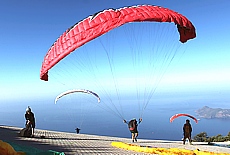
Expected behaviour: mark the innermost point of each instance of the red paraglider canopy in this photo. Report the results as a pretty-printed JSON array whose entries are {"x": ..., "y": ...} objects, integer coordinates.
[
  {"x": 102, "y": 22},
  {"x": 179, "y": 115}
]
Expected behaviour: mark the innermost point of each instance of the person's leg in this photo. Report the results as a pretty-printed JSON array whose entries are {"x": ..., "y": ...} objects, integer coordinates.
[
  {"x": 190, "y": 139},
  {"x": 33, "y": 127},
  {"x": 184, "y": 139},
  {"x": 136, "y": 134},
  {"x": 32, "y": 132},
  {"x": 133, "y": 136}
]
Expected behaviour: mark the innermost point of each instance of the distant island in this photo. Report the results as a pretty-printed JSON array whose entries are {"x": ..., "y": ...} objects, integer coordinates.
[{"x": 207, "y": 112}]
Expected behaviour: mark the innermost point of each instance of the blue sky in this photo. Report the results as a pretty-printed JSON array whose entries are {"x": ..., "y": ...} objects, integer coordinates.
[{"x": 29, "y": 28}]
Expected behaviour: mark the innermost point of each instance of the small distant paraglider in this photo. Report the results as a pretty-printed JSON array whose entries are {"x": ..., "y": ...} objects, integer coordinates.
[
  {"x": 179, "y": 115},
  {"x": 77, "y": 90}
]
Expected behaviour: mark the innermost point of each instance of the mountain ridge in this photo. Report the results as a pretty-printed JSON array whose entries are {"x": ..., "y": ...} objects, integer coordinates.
[{"x": 211, "y": 113}]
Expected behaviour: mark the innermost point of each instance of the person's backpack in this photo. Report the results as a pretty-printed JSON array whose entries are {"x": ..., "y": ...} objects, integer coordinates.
[
  {"x": 26, "y": 132},
  {"x": 131, "y": 125}
]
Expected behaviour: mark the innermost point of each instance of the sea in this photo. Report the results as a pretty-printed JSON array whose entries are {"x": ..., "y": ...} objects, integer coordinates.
[{"x": 95, "y": 120}]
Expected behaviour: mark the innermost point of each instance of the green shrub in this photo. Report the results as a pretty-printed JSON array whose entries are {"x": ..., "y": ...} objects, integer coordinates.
[{"x": 203, "y": 137}]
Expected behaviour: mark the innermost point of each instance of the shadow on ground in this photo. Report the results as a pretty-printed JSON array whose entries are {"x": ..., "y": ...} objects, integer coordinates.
[{"x": 12, "y": 137}]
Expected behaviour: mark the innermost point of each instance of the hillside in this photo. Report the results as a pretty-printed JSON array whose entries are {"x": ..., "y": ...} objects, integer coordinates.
[{"x": 207, "y": 112}]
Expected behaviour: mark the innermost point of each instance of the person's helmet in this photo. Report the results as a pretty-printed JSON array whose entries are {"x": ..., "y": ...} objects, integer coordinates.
[{"x": 28, "y": 109}]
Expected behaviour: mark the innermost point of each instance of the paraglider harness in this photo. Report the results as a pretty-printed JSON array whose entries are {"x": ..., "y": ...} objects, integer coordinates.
[{"x": 132, "y": 125}]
